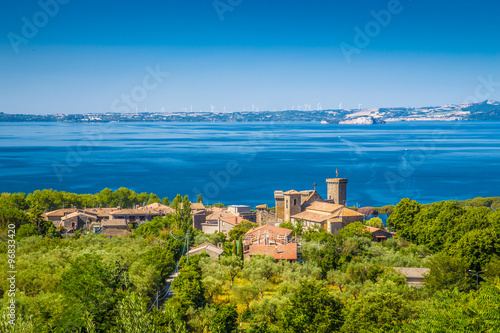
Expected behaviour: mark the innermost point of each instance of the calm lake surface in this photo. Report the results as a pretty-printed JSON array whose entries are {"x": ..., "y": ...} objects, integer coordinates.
[{"x": 243, "y": 163}]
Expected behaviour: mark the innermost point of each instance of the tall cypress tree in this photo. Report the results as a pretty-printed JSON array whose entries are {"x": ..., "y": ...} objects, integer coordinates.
[{"x": 240, "y": 248}]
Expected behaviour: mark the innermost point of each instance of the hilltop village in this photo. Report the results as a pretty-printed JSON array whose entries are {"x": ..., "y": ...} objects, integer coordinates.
[
  {"x": 306, "y": 207},
  {"x": 195, "y": 266}
]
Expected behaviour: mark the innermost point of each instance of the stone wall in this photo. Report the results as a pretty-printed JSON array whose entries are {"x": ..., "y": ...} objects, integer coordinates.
[
  {"x": 209, "y": 228},
  {"x": 279, "y": 207},
  {"x": 198, "y": 220},
  {"x": 265, "y": 217}
]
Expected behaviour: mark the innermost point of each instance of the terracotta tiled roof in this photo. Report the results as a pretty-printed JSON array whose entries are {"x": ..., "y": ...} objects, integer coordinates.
[
  {"x": 220, "y": 214},
  {"x": 349, "y": 212},
  {"x": 78, "y": 213},
  {"x": 60, "y": 212},
  {"x": 269, "y": 229},
  {"x": 136, "y": 211},
  {"x": 232, "y": 220},
  {"x": 160, "y": 207},
  {"x": 285, "y": 251},
  {"x": 197, "y": 206},
  {"x": 372, "y": 229},
  {"x": 101, "y": 212},
  {"x": 313, "y": 216},
  {"x": 324, "y": 206},
  {"x": 264, "y": 206},
  {"x": 114, "y": 223}
]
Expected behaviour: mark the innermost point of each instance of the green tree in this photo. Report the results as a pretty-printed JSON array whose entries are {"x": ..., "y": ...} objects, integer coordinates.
[
  {"x": 225, "y": 319},
  {"x": 298, "y": 228},
  {"x": 177, "y": 203},
  {"x": 240, "y": 229},
  {"x": 166, "y": 201},
  {"x": 259, "y": 270},
  {"x": 13, "y": 201},
  {"x": 355, "y": 229},
  {"x": 376, "y": 312},
  {"x": 360, "y": 272},
  {"x": 492, "y": 268},
  {"x": 45, "y": 199},
  {"x": 476, "y": 247},
  {"x": 171, "y": 320},
  {"x": 188, "y": 288},
  {"x": 124, "y": 197},
  {"x": 105, "y": 198},
  {"x": 133, "y": 316},
  {"x": 183, "y": 216},
  {"x": 434, "y": 223},
  {"x": 161, "y": 258},
  {"x": 261, "y": 267},
  {"x": 453, "y": 311},
  {"x": 89, "y": 286},
  {"x": 47, "y": 228},
  {"x": 213, "y": 277},
  {"x": 327, "y": 256},
  {"x": 199, "y": 199},
  {"x": 447, "y": 272},
  {"x": 375, "y": 222},
  {"x": 35, "y": 216},
  {"x": 240, "y": 248},
  {"x": 244, "y": 294},
  {"x": 312, "y": 308},
  {"x": 403, "y": 216},
  {"x": 294, "y": 272},
  {"x": 155, "y": 226},
  {"x": 27, "y": 230},
  {"x": 232, "y": 265},
  {"x": 11, "y": 216},
  {"x": 153, "y": 198},
  {"x": 339, "y": 278}
]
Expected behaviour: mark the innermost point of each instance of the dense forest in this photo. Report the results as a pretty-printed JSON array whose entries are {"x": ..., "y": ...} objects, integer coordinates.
[{"x": 90, "y": 283}]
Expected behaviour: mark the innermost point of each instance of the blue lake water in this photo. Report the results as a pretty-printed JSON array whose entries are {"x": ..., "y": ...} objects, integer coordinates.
[{"x": 243, "y": 163}]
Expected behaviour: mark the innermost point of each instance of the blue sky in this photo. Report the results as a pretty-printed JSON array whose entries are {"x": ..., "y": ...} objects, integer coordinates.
[{"x": 272, "y": 54}]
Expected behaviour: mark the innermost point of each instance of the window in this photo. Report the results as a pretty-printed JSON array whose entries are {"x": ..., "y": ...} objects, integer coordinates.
[{"x": 294, "y": 202}]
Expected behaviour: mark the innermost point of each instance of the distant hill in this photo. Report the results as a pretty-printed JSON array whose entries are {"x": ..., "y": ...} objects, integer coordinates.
[
  {"x": 481, "y": 111},
  {"x": 486, "y": 111}
]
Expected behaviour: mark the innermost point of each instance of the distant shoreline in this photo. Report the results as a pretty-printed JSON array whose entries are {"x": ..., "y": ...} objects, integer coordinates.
[{"x": 483, "y": 111}]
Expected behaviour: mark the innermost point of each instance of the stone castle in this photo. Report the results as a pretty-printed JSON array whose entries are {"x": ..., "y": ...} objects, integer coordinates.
[
  {"x": 289, "y": 203},
  {"x": 309, "y": 207}
]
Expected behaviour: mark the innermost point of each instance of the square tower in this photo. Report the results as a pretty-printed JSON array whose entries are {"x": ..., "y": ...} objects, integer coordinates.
[
  {"x": 279, "y": 205},
  {"x": 337, "y": 190},
  {"x": 292, "y": 204}
]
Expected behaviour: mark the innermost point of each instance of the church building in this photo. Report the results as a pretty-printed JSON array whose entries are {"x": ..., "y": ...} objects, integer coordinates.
[{"x": 310, "y": 208}]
